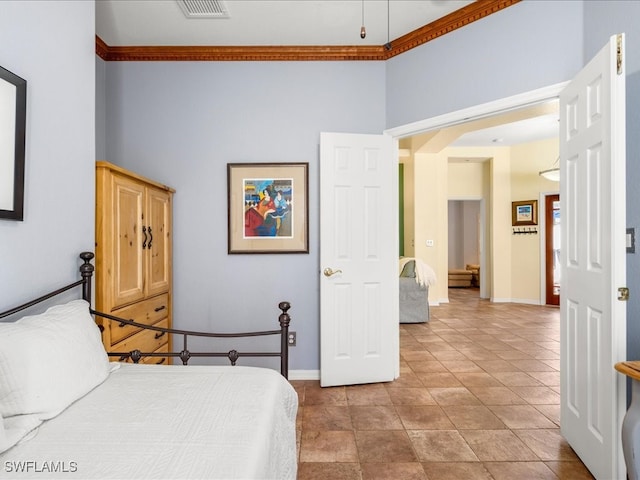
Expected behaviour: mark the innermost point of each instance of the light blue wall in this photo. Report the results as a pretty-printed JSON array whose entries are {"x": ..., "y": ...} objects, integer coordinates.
[
  {"x": 603, "y": 19},
  {"x": 52, "y": 46},
  {"x": 529, "y": 45},
  {"x": 182, "y": 122}
]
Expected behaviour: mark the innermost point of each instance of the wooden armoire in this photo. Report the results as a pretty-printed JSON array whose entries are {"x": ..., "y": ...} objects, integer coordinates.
[{"x": 133, "y": 259}]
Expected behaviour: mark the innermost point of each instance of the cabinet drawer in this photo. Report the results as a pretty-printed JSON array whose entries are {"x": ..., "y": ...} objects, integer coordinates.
[
  {"x": 145, "y": 340},
  {"x": 148, "y": 312},
  {"x": 158, "y": 360}
]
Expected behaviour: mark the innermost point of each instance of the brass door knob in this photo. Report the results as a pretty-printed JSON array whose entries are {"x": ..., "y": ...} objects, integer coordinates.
[{"x": 329, "y": 272}]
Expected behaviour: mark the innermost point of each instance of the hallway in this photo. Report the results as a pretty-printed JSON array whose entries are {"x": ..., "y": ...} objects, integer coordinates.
[{"x": 477, "y": 398}]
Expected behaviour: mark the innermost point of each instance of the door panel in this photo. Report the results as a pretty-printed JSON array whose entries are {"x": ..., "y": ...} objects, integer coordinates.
[
  {"x": 593, "y": 321},
  {"x": 128, "y": 283},
  {"x": 359, "y": 291},
  {"x": 159, "y": 246}
]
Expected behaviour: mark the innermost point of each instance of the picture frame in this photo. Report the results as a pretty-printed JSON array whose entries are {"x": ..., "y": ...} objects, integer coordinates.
[
  {"x": 268, "y": 208},
  {"x": 524, "y": 213},
  {"x": 13, "y": 125}
]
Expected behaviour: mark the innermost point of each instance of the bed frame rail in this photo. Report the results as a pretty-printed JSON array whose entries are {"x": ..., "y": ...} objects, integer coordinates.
[
  {"x": 185, "y": 354},
  {"x": 86, "y": 272}
]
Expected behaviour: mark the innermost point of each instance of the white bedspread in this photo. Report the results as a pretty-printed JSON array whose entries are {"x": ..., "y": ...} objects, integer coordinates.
[{"x": 168, "y": 422}]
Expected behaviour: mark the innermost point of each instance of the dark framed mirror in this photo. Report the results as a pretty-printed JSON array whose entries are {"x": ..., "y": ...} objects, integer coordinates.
[{"x": 13, "y": 123}]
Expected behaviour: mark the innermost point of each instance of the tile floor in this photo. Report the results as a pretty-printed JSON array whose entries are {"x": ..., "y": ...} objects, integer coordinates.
[{"x": 477, "y": 398}]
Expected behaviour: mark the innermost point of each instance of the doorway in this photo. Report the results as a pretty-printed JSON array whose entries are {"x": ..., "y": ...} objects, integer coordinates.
[
  {"x": 496, "y": 160},
  {"x": 552, "y": 249},
  {"x": 464, "y": 242}
]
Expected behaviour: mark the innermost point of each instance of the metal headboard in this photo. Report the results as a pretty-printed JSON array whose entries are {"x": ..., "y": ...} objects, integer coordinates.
[{"x": 86, "y": 273}]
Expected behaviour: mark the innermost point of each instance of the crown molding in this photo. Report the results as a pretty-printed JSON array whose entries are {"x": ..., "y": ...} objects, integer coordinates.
[{"x": 458, "y": 19}]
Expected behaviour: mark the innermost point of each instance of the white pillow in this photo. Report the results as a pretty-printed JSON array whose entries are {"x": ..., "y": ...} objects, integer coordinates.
[{"x": 48, "y": 361}]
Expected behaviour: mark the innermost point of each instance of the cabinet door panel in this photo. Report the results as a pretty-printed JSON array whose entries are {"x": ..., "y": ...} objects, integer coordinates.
[
  {"x": 158, "y": 256},
  {"x": 128, "y": 258}
]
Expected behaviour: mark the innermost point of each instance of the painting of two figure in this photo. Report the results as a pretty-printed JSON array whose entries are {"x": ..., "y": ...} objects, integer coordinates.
[{"x": 268, "y": 206}]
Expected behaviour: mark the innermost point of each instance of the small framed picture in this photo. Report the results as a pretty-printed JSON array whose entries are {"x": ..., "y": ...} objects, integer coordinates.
[{"x": 524, "y": 213}]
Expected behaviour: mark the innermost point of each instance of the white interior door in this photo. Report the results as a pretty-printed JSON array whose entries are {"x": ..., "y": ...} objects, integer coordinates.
[
  {"x": 593, "y": 320},
  {"x": 359, "y": 330}
]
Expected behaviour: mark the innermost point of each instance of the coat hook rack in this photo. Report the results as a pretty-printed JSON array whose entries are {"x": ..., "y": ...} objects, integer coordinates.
[{"x": 525, "y": 230}]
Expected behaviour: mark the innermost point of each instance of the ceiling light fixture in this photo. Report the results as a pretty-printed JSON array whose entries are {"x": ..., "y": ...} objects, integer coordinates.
[
  {"x": 363, "y": 31},
  {"x": 553, "y": 173}
]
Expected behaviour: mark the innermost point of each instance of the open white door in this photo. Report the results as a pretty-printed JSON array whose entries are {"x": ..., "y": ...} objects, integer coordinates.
[
  {"x": 593, "y": 319},
  {"x": 359, "y": 329}
]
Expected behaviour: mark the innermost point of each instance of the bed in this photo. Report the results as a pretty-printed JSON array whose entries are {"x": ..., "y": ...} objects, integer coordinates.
[{"x": 67, "y": 412}]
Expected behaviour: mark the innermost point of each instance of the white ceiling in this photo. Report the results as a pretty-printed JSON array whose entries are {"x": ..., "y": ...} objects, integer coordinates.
[
  {"x": 514, "y": 133},
  {"x": 266, "y": 22},
  {"x": 294, "y": 22}
]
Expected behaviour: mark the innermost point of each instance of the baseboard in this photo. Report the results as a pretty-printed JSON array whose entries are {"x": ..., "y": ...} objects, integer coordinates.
[
  {"x": 526, "y": 301},
  {"x": 304, "y": 374}
]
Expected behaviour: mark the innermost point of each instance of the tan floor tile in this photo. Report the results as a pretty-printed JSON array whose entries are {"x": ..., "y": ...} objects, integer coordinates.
[
  {"x": 415, "y": 356},
  {"x": 372, "y": 394},
  {"x": 521, "y": 416},
  {"x": 498, "y": 365},
  {"x": 315, "y": 395},
  {"x": 405, "y": 380},
  {"x": 441, "y": 446},
  {"x": 475, "y": 368},
  {"x": 375, "y": 418},
  {"x": 479, "y": 354},
  {"x": 410, "y": 396},
  {"x": 427, "y": 366},
  {"x": 438, "y": 379},
  {"x": 449, "y": 355},
  {"x": 384, "y": 446},
  {"x": 438, "y": 347},
  {"x": 496, "y": 395},
  {"x": 513, "y": 354},
  {"x": 326, "y": 417},
  {"x": 423, "y": 417},
  {"x": 570, "y": 470},
  {"x": 473, "y": 417},
  {"x": 550, "y": 379},
  {"x": 520, "y": 470},
  {"x": 531, "y": 366},
  {"x": 326, "y": 446},
  {"x": 538, "y": 395},
  {"x": 555, "y": 364},
  {"x": 497, "y": 446},
  {"x": 454, "y": 396},
  {"x": 547, "y": 444},
  {"x": 516, "y": 379},
  {"x": 456, "y": 471},
  {"x": 552, "y": 412},
  {"x": 329, "y": 471},
  {"x": 393, "y": 471},
  {"x": 456, "y": 366},
  {"x": 477, "y": 379}
]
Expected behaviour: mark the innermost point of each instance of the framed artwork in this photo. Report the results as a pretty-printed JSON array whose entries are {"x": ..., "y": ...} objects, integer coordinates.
[
  {"x": 524, "y": 213},
  {"x": 13, "y": 114},
  {"x": 268, "y": 207}
]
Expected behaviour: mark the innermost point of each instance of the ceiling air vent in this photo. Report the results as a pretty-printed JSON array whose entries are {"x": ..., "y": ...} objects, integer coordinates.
[{"x": 204, "y": 8}]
